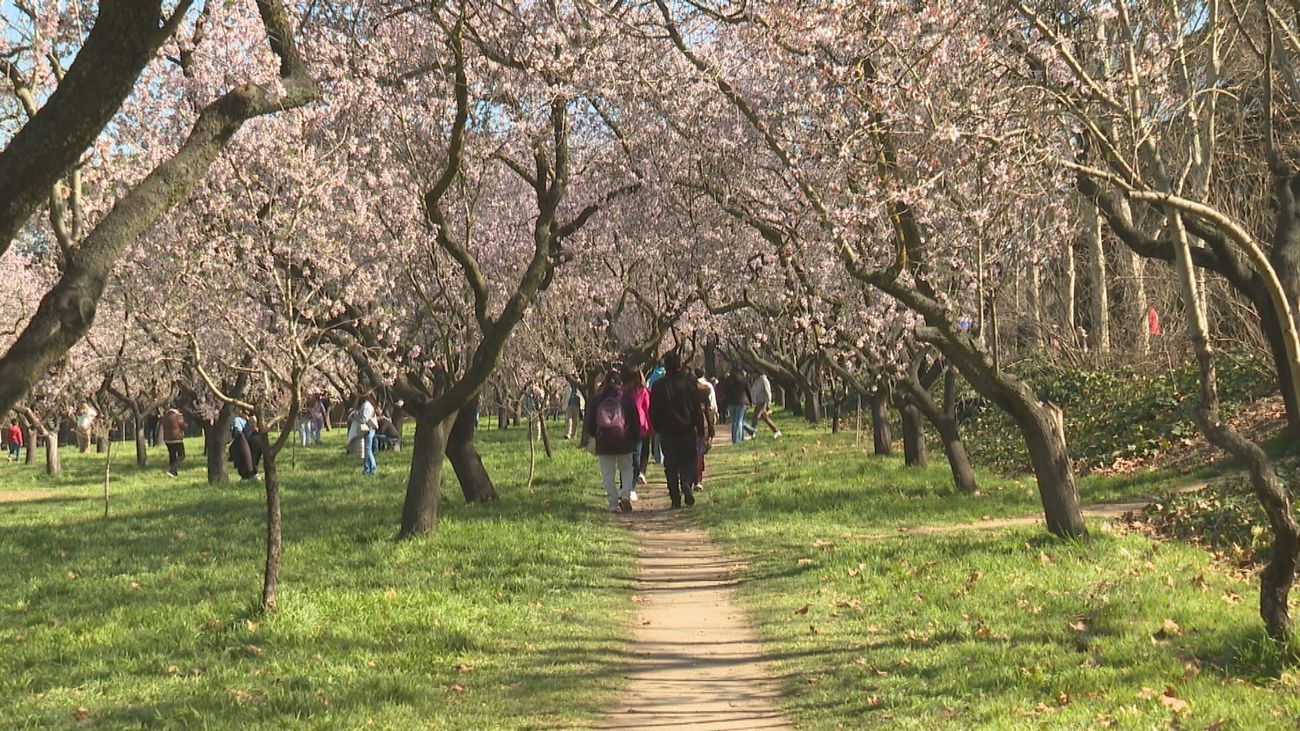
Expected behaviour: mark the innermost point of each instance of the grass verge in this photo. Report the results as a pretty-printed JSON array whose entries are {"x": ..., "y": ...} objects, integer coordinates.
[
  {"x": 514, "y": 615},
  {"x": 981, "y": 627}
]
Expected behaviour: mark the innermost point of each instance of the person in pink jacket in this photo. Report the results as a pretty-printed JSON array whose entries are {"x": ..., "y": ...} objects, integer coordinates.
[{"x": 634, "y": 386}]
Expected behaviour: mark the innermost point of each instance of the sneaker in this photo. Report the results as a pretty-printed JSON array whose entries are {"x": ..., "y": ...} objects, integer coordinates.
[
  {"x": 689, "y": 496},
  {"x": 777, "y": 434},
  {"x": 677, "y": 504},
  {"x": 613, "y": 507},
  {"x": 640, "y": 479},
  {"x": 625, "y": 505},
  {"x": 699, "y": 487},
  {"x": 170, "y": 473},
  {"x": 632, "y": 496}
]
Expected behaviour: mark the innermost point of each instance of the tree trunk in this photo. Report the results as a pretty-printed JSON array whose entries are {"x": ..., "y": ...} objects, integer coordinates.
[
  {"x": 546, "y": 439},
  {"x": 108, "y": 470},
  {"x": 1097, "y": 273},
  {"x": 1268, "y": 324},
  {"x": 271, "y": 571},
  {"x": 882, "y": 438},
  {"x": 1041, "y": 425},
  {"x": 214, "y": 445},
  {"x": 1070, "y": 296},
  {"x": 944, "y": 421},
  {"x": 475, "y": 482},
  {"x": 101, "y": 444},
  {"x": 1276, "y": 578},
  {"x": 793, "y": 401},
  {"x": 28, "y": 436},
  {"x": 420, "y": 512},
  {"x": 141, "y": 444},
  {"x": 503, "y": 417},
  {"x": 913, "y": 435},
  {"x": 812, "y": 410}
]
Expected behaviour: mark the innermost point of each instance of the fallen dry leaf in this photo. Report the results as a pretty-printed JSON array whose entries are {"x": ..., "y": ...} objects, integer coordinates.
[
  {"x": 458, "y": 687},
  {"x": 803, "y": 609},
  {"x": 1168, "y": 629},
  {"x": 244, "y": 696},
  {"x": 465, "y": 668},
  {"x": 1169, "y": 699}
]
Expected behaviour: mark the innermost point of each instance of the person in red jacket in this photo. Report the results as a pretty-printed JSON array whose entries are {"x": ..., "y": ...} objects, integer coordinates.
[{"x": 14, "y": 435}]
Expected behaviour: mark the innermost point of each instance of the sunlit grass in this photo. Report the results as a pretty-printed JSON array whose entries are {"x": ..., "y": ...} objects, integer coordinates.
[
  {"x": 513, "y": 616},
  {"x": 873, "y": 626}
]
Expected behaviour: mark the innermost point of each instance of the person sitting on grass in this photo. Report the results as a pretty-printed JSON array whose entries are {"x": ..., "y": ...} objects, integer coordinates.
[{"x": 387, "y": 436}]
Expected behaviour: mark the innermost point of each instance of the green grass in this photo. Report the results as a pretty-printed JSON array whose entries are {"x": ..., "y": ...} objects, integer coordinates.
[
  {"x": 984, "y": 628},
  {"x": 148, "y": 617},
  {"x": 516, "y": 614}
]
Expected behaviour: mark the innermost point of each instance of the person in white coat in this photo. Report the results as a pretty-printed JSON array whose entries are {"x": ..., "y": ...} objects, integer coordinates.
[
  {"x": 574, "y": 405},
  {"x": 761, "y": 394}
]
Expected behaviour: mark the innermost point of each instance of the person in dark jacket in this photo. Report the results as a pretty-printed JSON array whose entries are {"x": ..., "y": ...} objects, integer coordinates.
[
  {"x": 387, "y": 436},
  {"x": 614, "y": 425},
  {"x": 677, "y": 415},
  {"x": 738, "y": 401}
]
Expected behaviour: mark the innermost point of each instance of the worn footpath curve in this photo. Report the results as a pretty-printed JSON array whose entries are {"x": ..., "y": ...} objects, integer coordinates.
[{"x": 697, "y": 662}]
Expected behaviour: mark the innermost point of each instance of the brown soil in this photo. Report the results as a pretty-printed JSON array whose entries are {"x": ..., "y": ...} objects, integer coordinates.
[
  {"x": 698, "y": 663},
  {"x": 25, "y": 496}
]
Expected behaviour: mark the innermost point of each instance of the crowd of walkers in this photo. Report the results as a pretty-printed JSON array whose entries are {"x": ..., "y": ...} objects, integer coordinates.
[
  {"x": 669, "y": 416},
  {"x": 369, "y": 431}
]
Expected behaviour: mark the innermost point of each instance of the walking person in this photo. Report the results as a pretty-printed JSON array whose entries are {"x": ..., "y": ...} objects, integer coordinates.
[
  {"x": 241, "y": 453},
  {"x": 85, "y": 421},
  {"x": 655, "y": 448},
  {"x": 760, "y": 392},
  {"x": 363, "y": 419},
  {"x": 635, "y": 388},
  {"x": 304, "y": 425},
  {"x": 316, "y": 416},
  {"x": 677, "y": 416},
  {"x": 612, "y": 423},
  {"x": 14, "y": 437},
  {"x": 173, "y": 435},
  {"x": 708, "y": 404},
  {"x": 738, "y": 399},
  {"x": 573, "y": 406}
]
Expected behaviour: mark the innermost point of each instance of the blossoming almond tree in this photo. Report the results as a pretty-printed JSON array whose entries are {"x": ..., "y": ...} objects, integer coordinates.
[
  {"x": 72, "y": 107},
  {"x": 867, "y": 162}
]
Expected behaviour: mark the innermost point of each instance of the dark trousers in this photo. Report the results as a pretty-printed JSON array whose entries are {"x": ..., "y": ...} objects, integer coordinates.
[
  {"x": 679, "y": 465},
  {"x": 175, "y": 455}
]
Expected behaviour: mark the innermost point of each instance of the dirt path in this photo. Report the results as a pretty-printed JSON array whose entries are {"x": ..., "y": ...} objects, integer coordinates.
[
  {"x": 698, "y": 663},
  {"x": 1104, "y": 511},
  {"x": 24, "y": 496}
]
